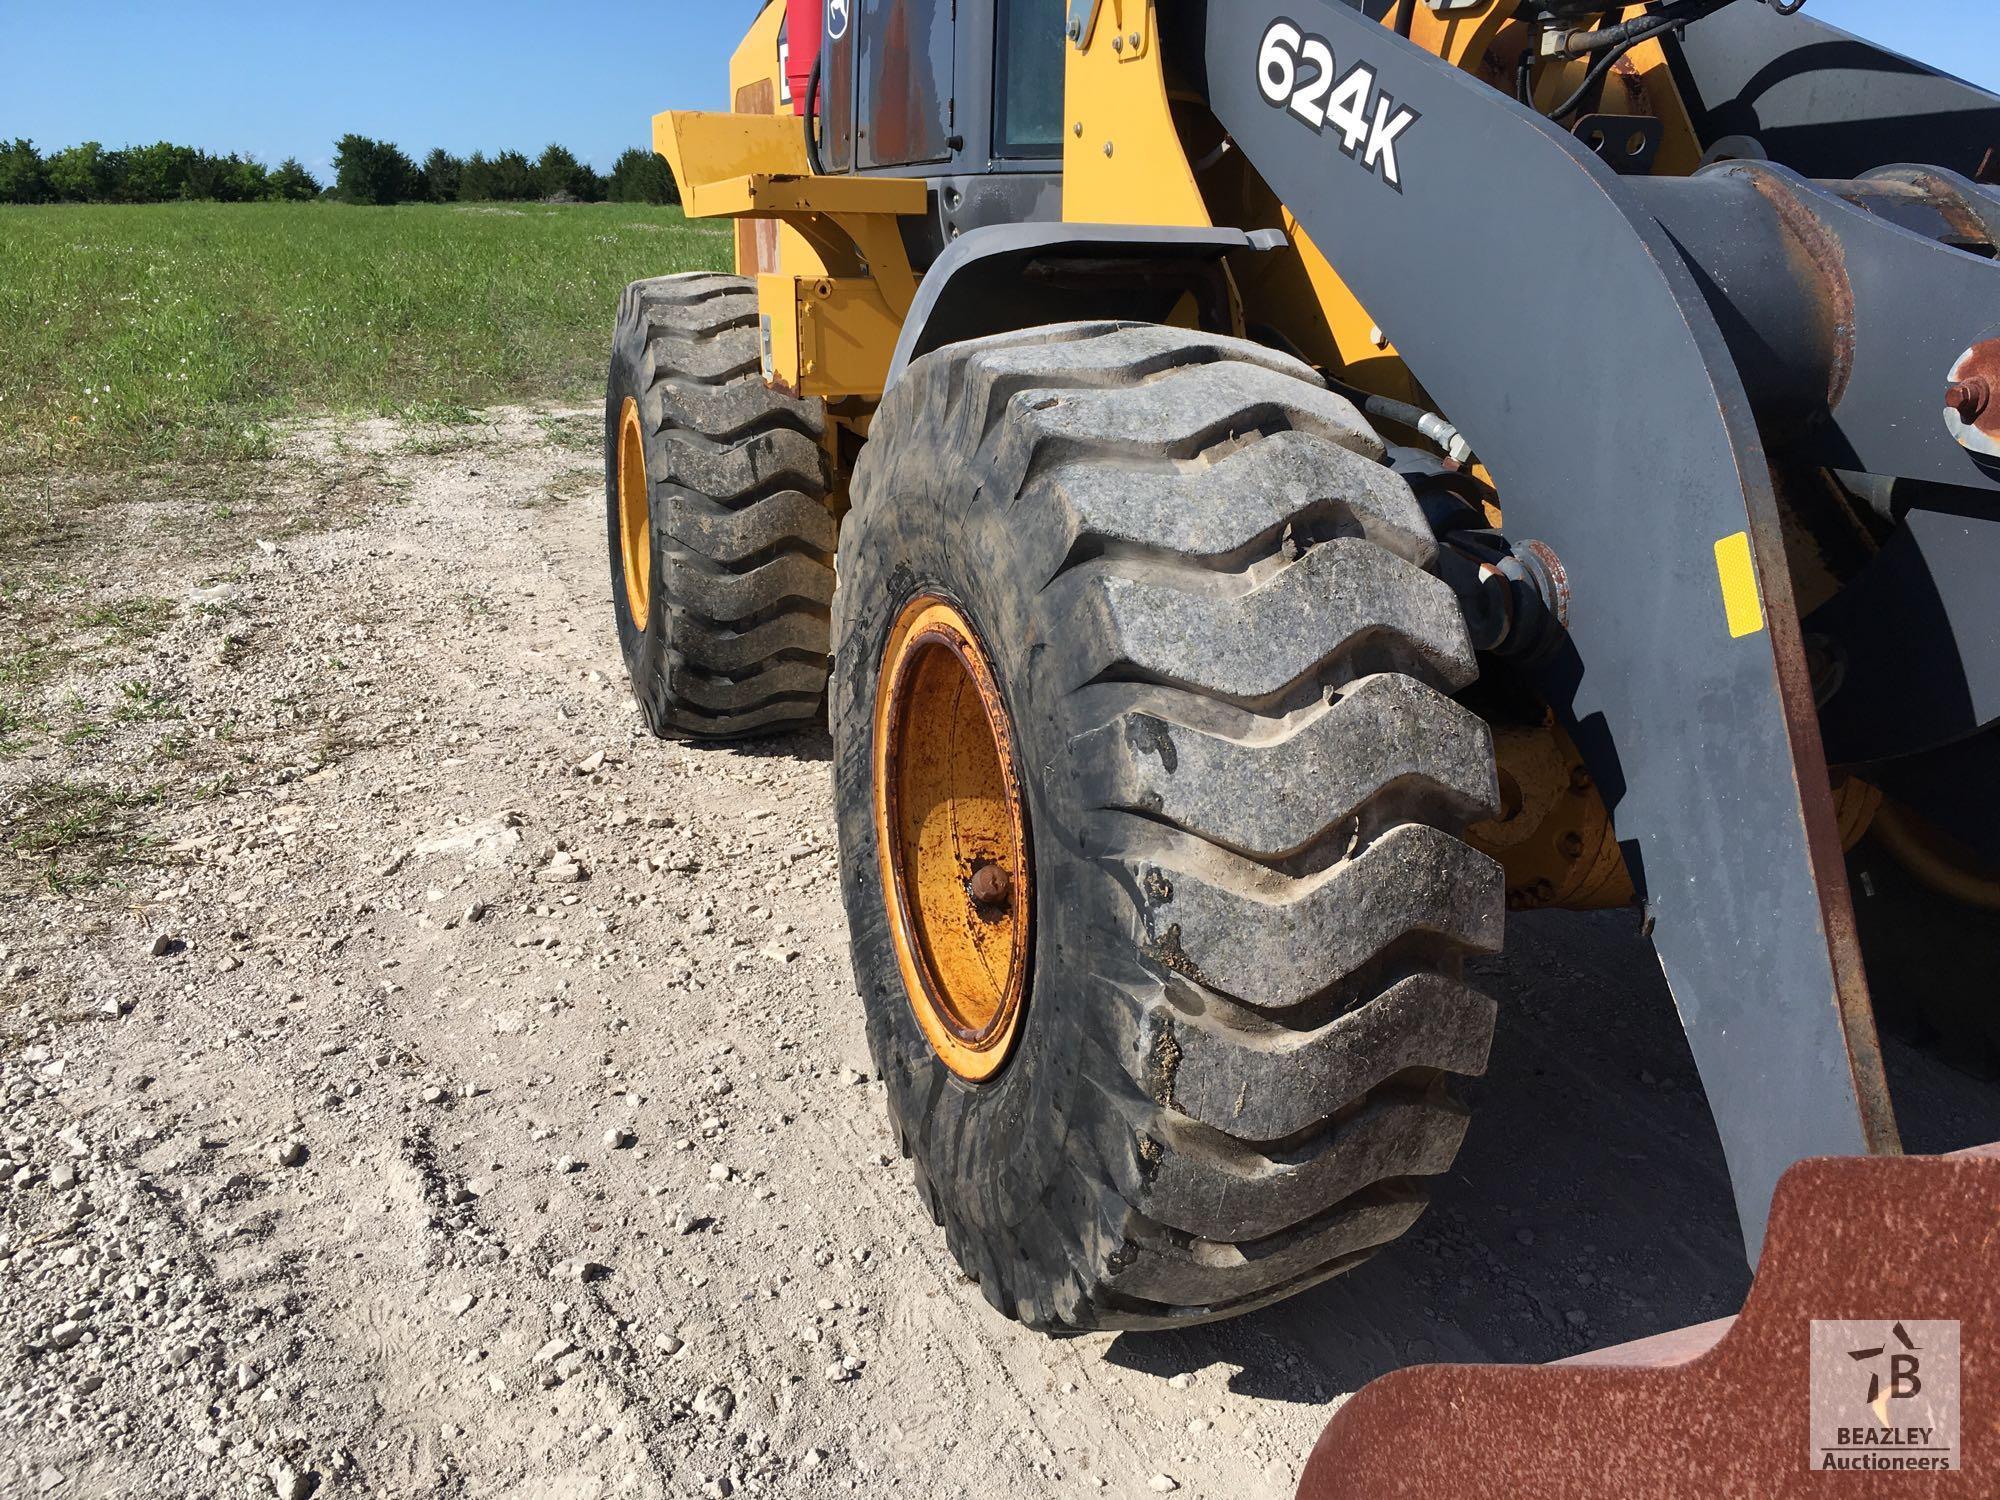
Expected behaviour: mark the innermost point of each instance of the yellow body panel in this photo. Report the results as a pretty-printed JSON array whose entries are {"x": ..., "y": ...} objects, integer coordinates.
[
  {"x": 834, "y": 280},
  {"x": 774, "y": 195},
  {"x": 1463, "y": 36},
  {"x": 710, "y": 149},
  {"x": 1641, "y": 84},
  {"x": 755, "y": 61},
  {"x": 834, "y": 305},
  {"x": 1123, "y": 161},
  {"x": 828, "y": 336},
  {"x": 1360, "y": 350}
]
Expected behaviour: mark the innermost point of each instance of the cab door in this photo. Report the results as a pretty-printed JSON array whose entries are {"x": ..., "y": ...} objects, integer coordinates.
[{"x": 906, "y": 113}]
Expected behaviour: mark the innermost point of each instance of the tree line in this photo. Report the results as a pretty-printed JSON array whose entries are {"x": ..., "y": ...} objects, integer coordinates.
[
  {"x": 365, "y": 171},
  {"x": 370, "y": 171},
  {"x": 159, "y": 173}
]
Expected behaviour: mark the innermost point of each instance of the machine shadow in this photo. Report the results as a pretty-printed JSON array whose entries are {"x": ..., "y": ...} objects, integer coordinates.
[
  {"x": 809, "y": 746},
  {"x": 1590, "y": 1204}
]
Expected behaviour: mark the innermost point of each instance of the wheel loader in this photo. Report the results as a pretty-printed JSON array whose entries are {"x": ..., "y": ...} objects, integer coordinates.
[{"x": 1261, "y": 489}]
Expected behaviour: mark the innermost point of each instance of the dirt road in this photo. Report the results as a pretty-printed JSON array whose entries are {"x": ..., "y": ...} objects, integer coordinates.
[{"x": 451, "y": 1091}]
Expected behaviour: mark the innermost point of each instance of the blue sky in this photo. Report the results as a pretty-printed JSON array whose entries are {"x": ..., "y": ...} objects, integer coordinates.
[{"x": 279, "y": 78}]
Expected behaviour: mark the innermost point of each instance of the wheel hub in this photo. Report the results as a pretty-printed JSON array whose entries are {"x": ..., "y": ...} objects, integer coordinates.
[
  {"x": 635, "y": 520},
  {"x": 951, "y": 826}
]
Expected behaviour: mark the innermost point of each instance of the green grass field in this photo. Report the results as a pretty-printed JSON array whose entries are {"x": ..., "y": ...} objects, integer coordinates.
[{"x": 137, "y": 334}]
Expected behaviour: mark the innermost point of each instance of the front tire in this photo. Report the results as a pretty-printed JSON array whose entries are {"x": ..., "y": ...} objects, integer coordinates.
[{"x": 1224, "y": 667}]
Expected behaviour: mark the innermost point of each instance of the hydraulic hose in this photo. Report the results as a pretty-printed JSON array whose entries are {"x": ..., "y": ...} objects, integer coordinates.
[
  {"x": 1614, "y": 42},
  {"x": 1433, "y": 427},
  {"x": 812, "y": 117}
]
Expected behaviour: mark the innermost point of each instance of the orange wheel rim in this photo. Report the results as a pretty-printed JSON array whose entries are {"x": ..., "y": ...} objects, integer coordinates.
[
  {"x": 635, "y": 515},
  {"x": 951, "y": 829}
]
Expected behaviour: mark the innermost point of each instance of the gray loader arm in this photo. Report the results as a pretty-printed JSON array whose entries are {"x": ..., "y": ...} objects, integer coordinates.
[{"x": 1578, "y": 341}]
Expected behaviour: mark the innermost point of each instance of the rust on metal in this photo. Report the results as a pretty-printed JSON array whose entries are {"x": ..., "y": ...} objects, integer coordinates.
[
  {"x": 951, "y": 829},
  {"x": 1972, "y": 398},
  {"x": 1637, "y": 98},
  {"x": 1960, "y": 220},
  {"x": 1822, "y": 816},
  {"x": 990, "y": 885},
  {"x": 1722, "y": 1411},
  {"x": 756, "y": 239},
  {"x": 1558, "y": 577},
  {"x": 1811, "y": 778},
  {"x": 1821, "y": 253}
]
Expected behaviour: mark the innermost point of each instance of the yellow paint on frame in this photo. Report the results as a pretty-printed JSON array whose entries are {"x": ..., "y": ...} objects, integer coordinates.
[
  {"x": 1737, "y": 568},
  {"x": 1123, "y": 162}
]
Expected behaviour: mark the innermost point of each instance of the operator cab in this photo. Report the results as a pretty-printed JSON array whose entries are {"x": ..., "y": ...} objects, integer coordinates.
[{"x": 968, "y": 93}]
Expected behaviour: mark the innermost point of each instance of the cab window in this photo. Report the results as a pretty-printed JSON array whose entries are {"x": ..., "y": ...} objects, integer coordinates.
[{"x": 1028, "y": 79}]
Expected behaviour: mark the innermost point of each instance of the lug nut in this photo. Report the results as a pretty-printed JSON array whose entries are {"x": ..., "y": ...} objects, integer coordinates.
[
  {"x": 1969, "y": 398},
  {"x": 990, "y": 885}
]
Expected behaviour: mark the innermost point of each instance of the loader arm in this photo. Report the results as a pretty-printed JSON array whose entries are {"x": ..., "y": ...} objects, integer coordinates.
[{"x": 1527, "y": 286}]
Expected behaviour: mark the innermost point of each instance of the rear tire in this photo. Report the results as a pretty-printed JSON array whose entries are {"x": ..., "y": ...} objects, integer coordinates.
[
  {"x": 730, "y": 637},
  {"x": 1226, "y": 667}
]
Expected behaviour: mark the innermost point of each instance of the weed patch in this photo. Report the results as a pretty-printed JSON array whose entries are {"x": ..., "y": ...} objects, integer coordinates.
[
  {"x": 70, "y": 835},
  {"x": 139, "y": 702},
  {"x": 573, "y": 434},
  {"x": 16, "y": 726},
  {"x": 135, "y": 619}
]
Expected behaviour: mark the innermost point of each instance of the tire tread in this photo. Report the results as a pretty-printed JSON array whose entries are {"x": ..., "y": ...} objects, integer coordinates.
[{"x": 744, "y": 533}]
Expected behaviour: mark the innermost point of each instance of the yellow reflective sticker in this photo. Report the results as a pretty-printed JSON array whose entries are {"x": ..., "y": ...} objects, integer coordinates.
[{"x": 1738, "y": 572}]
